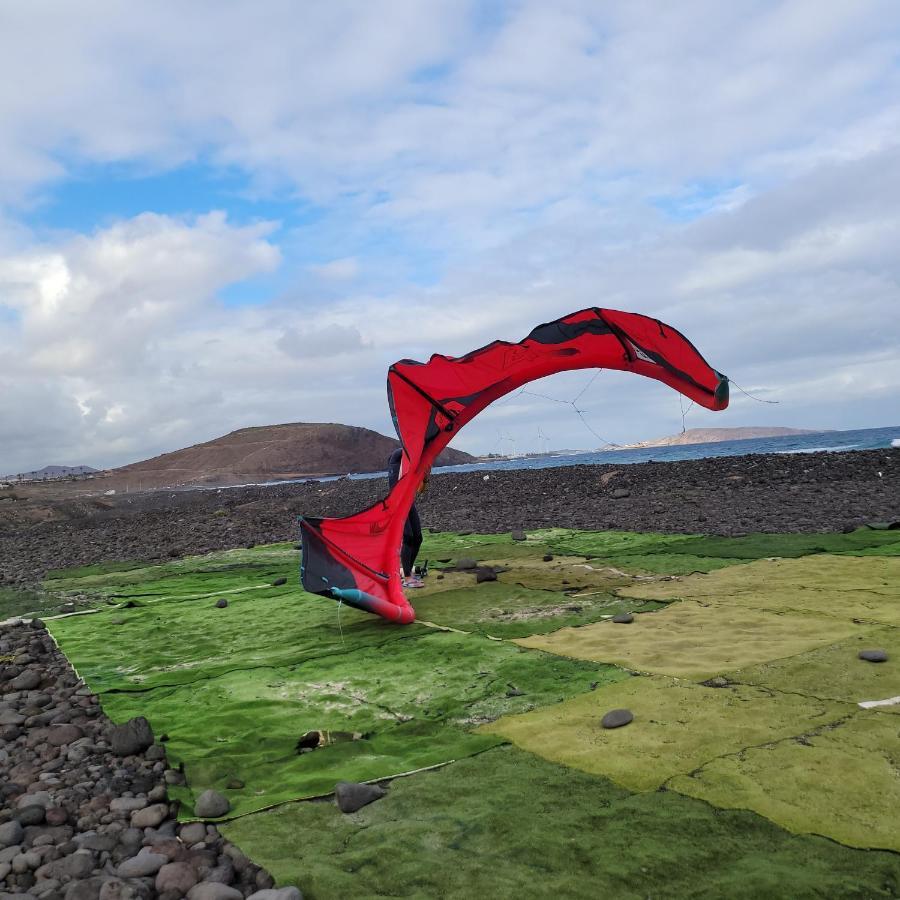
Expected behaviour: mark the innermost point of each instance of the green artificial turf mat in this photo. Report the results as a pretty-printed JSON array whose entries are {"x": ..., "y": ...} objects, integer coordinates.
[
  {"x": 507, "y": 824},
  {"x": 403, "y": 698},
  {"x": 841, "y": 782},
  {"x": 835, "y": 672},
  {"x": 693, "y": 641},
  {"x": 761, "y": 546},
  {"x": 844, "y": 587},
  {"x": 510, "y": 610},
  {"x": 677, "y": 727},
  {"x": 176, "y": 641}
]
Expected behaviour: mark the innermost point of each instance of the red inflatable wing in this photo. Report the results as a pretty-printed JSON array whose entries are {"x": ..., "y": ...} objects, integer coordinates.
[{"x": 356, "y": 559}]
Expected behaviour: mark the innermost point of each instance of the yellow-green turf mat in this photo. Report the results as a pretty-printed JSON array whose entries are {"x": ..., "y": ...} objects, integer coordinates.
[
  {"x": 836, "y": 672},
  {"x": 843, "y": 587},
  {"x": 511, "y": 610},
  {"x": 693, "y": 641},
  {"x": 411, "y": 704},
  {"x": 508, "y": 824},
  {"x": 841, "y": 781},
  {"x": 677, "y": 727}
]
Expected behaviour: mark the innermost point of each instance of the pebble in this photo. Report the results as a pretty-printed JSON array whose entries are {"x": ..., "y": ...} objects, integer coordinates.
[
  {"x": 616, "y": 718},
  {"x": 193, "y": 833},
  {"x": 221, "y": 604},
  {"x": 623, "y": 619},
  {"x": 146, "y": 863},
  {"x": 285, "y": 893},
  {"x": 350, "y": 796},
  {"x": 176, "y": 876},
  {"x": 150, "y": 816},
  {"x": 873, "y": 655},
  {"x": 33, "y": 814},
  {"x": 211, "y": 804},
  {"x": 279, "y": 581},
  {"x": 210, "y": 890},
  {"x": 466, "y": 563},
  {"x": 11, "y": 833},
  {"x": 547, "y": 557}
]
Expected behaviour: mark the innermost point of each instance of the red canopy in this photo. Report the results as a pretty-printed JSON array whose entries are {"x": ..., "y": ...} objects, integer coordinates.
[{"x": 356, "y": 558}]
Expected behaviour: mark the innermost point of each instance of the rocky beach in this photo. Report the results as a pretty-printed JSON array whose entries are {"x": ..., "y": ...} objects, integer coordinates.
[{"x": 818, "y": 492}]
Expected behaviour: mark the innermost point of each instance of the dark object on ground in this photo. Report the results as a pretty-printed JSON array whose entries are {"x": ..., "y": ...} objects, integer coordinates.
[
  {"x": 616, "y": 718},
  {"x": 623, "y": 619},
  {"x": 278, "y": 582},
  {"x": 547, "y": 557},
  {"x": 620, "y": 493},
  {"x": 134, "y": 736},
  {"x": 221, "y": 604},
  {"x": 350, "y": 796},
  {"x": 485, "y": 573},
  {"x": 465, "y": 564},
  {"x": 211, "y": 804},
  {"x": 309, "y": 741},
  {"x": 519, "y": 535},
  {"x": 873, "y": 655},
  {"x": 717, "y": 682}
]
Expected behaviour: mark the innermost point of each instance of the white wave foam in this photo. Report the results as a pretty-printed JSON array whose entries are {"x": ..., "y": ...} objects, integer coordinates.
[
  {"x": 820, "y": 449},
  {"x": 895, "y": 442}
]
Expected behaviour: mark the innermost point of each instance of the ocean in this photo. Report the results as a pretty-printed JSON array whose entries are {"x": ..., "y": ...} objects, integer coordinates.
[{"x": 820, "y": 442}]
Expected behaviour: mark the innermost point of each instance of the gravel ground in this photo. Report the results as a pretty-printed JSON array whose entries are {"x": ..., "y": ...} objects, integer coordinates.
[
  {"x": 84, "y": 813},
  {"x": 724, "y": 495}
]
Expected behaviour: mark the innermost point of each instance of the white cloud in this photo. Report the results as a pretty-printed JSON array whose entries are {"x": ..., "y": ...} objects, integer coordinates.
[{"x": 731, "y": 168}]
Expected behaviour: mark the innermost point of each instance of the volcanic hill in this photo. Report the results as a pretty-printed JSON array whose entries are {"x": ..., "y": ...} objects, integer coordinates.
[{"x": 266, "y": 453}]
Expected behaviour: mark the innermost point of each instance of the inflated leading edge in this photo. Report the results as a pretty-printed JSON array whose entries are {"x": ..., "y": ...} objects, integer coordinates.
[{"x": 356, "y": 559}]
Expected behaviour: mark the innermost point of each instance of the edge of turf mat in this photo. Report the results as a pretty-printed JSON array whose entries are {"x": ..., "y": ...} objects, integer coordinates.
[{"x": 507, "y": 824}]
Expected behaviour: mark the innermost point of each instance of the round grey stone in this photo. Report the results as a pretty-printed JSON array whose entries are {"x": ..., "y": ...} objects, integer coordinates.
[
  {"x": 285, "y": 893},
  {"x": 873, "y": 655},
  {"x": 213, "y": 890},
  {"x": 176, "y": 876},
  {"x": 150, "y": 816},
  {"x": 616, "y": 718},
  {"x": 211, "y": 804},
  {"x": 193, "y": 833},
  {"x": 33, "y": 814},
  {"x": 27, "y": 681},
  {"x": 466, "y": 563},
  {"x": 623, "y": 619},
  {"x": 141, "y": 866},
  {"x": 221, "y": 604},
  {"x": 11, "y": 833}
]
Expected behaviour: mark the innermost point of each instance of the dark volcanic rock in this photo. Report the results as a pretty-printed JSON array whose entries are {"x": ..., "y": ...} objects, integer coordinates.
[
  {"x": 873, "y": 655},
  {"x": 623, "y": 619},
  {"x": 616, "y": 718},
  {"x": 221, "y": 604},
  {"x": 132, "y": 737},
  {"x": 350, "y": 797}
]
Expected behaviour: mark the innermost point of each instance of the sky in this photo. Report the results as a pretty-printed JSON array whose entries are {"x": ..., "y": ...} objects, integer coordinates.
[{"x": 222, "y": 214}]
